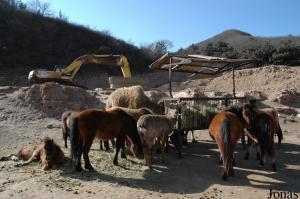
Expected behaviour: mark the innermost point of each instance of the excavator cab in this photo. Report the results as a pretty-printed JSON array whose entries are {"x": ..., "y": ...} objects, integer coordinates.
[{"x": 59, "y": 68}]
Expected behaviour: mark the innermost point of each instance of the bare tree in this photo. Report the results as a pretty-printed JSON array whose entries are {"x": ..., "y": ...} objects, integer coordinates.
[
  {"x": 62, "y": 16},
  {"x": 40, "y": 8},
  {"x": 157, "y": 48}
]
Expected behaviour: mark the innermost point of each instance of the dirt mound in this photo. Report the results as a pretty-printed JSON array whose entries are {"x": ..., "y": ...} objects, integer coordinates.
[
  {"x": 269, "y": 82},
  {"x": 267, "y": 79},
  {"x": 53, "y": 99}
]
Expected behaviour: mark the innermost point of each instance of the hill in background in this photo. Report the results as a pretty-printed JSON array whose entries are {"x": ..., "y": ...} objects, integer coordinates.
[
  {"x": 241, "y": 40},
  {"x": 238, "y": 44}
]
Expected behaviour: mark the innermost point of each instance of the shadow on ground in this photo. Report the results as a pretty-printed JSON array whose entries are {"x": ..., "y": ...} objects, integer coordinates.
[{"x": 199, "y": 169}]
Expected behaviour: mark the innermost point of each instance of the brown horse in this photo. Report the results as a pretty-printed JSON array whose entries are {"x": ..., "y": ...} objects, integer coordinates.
[
  {"x": 261, "y": 128},
  {"x": 226, "y": 129},
  {"x": 274, "y": 114},
  {"x": 65, "y": 126},
  {"x": 154, "y": 131},
  {"x": 49, "y": 153},
  {"x": 104, "y": 125},
  {"x": 238, "y": 110}
]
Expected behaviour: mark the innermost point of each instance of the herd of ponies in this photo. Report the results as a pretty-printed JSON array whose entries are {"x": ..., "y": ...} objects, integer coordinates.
[{"x": 131, "y": 120}]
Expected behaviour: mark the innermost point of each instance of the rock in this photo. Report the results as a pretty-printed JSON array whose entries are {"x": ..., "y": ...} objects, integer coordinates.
[
  {"x": 155, "y": 96},
  {"x": 258, "y": 95},
  {"x": 189, "y": 92},
  {"x": 286, "y": 110},
  {"x": 49, "y": 126},
  {"x": 68, "y": 189},
  {"x": 288, "y": 97},
  {"x": 214, "y": 94}
]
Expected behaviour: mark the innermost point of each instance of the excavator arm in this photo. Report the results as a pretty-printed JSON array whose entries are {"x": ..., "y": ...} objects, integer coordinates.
[
  {"x": 113, "y": 60},
  {"x": 68, "y": 74}
]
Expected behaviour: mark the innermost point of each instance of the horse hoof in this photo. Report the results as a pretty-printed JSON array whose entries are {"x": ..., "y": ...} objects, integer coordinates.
[
  {"x": 224, "y": 177},
  {"x": 233, "y": 162},
  {"x": 261, "y": 163},
  {"x": 274, "y": 167},
  {"x": 180, "y": 155},
  {"x": 78, "y": 169},
  {"x": 220, "y": 162},
  {"x": 89, "y": 167},
  {"x": 258, "y": 156},
  {"x": 232, "y": 173},
  {"x": 247, "y": 156},
  {"x": 123, "y": 156},
  {"x": 115, "y": 162},
  {"x": 194, "y": 141}
]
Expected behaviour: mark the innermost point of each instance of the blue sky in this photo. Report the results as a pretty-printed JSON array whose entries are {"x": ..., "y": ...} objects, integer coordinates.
[{"x": 182, "y": 22}]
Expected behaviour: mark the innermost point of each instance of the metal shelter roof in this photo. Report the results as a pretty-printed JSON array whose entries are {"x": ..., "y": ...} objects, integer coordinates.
[{"x": 200, "y": 64}]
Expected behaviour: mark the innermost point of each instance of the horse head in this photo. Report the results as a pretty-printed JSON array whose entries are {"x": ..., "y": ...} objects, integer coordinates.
[
  {"x": 137, "y": 150},
  {"x": 248, "y": 115},
  {"x": 49, "y": 147}
]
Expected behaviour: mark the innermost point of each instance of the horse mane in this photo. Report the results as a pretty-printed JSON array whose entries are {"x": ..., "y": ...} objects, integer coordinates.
[
  {"x": 238, "y": 111},
  {"x": 147, "y": 110},
  {"x": 50, "y": 144}
]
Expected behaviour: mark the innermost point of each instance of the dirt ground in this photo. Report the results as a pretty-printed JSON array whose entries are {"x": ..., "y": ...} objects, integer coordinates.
[{"x": 196, "y": 175}]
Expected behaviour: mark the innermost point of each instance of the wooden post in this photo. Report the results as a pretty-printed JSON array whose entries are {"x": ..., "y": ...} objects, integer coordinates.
[
  {"x": 233, "y": 82},
  {"x": 170, "y": 78}
]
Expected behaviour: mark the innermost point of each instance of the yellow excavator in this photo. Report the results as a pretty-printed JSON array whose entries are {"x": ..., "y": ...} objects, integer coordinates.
[{"x": 66, "y": 75}]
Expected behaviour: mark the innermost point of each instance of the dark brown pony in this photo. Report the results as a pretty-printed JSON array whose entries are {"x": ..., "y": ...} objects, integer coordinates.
[
  {"x": 261, "y": 128},
  {"x": 274, "y": 114},
  {"x": 105, "y": 125},
  {"x": 65, "y": 127},
  {"x": 226, "y": 129},
  {"x": 238, "y": 110}
]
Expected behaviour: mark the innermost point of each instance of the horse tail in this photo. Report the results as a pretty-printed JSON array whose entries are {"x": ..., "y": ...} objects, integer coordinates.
[
  {"x": 267, "y": 135},
  {"x": 226, "y": 142},
  {"x": 74, "y": 138},
  {"x": 279, "y": 133}
]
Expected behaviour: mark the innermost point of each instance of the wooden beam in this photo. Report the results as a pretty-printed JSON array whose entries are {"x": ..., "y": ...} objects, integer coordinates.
[
  {"x": 233, "y": 82},
  {"x": 170, "y": 78}
]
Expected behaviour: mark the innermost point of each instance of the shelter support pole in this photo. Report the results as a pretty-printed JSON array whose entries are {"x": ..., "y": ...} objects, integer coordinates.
[
  {"x": 233, "y": 83},
  {"x": 170, "y": 79}
]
